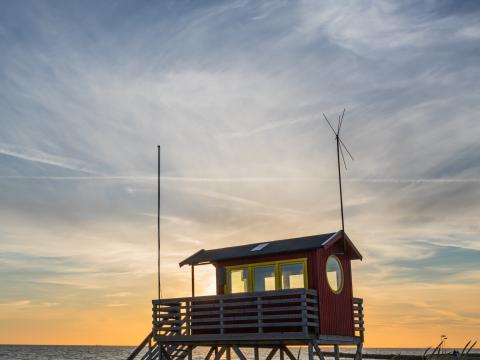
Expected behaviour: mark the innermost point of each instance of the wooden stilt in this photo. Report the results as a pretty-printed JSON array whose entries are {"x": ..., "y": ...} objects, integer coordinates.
[
  {"x": 210, "y": 352},
  {"x": 310, "y": 351},
  {"x": 289, "y": 353},
  {"x": 255, "y": 353},
  {"x": 358, "y": 353},
  {"x": 238, "y": 352},
  {"x": 336, "y": 351},
  {"x": 229, "y": 353},
  {"x": 282, "y": 355},
  {"x": 272, "y": 353},
  {"x": 318, "y": 351},
  {"x": 219, "y": 353}
]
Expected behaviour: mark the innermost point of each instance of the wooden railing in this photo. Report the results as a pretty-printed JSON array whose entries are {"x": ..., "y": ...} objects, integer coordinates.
[
  {"x": 270, "y": 313},
  {"x": 147, "y": 350},
  {"x": 358, "y": 322}
]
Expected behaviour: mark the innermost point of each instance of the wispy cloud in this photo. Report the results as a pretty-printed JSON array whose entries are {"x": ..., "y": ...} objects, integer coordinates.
[
  {"x": 41, "y": 157},
  {"x": 234, "y": 93}
]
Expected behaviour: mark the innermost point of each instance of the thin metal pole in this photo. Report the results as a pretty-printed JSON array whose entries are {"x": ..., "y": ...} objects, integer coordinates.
[
  {"x": 340, "y": 181},
  {"x": 158, "y": 222}
]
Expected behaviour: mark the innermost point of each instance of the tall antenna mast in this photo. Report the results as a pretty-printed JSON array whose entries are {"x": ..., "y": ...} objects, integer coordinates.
[
  {"x": 340, "y": 144},
  {"x": 158, "y": 221}
]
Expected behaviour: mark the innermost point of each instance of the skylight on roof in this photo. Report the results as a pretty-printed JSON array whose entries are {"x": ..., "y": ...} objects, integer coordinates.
[{"x": 259, "y": 247}]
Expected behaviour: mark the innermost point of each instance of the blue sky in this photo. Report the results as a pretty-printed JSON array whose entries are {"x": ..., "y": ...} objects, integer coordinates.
[{"x": 234, "y": 92}]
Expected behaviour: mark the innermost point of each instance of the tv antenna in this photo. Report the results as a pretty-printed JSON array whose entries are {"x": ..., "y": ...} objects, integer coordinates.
[{"x": 340, "y": 145}]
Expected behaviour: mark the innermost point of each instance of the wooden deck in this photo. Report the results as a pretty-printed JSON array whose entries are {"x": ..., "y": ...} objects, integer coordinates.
[
  {"x": 285, "y": 316},
  {"x": 229, "y": 324}
]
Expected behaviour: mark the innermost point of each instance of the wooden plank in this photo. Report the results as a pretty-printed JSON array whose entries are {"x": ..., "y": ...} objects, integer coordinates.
[
  {"x": 242, "y": 318},
  {"x": 240, "y": 337},
  {"x": 228, "y": 305},
  {"x": 241, "y": 310},
  {"x": 252, "y": 324},
  {"x": 272, "y": 293}
]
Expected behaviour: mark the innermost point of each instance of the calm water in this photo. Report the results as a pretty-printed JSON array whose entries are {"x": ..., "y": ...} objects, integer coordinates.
[{"x": 33, "y": 352}]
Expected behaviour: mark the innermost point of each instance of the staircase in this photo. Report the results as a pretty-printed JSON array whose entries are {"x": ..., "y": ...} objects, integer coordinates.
[{"x": 149, "y": 350}]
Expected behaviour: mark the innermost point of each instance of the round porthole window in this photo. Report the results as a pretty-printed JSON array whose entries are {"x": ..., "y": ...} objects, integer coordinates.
[{"x": 334, "y": 274}]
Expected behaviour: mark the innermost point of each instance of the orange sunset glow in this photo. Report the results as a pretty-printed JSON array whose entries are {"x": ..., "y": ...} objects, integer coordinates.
[{"x": 234, "y": 93}]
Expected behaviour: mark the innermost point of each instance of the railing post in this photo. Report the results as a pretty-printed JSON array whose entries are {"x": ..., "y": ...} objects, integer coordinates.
[
  {"x": 188, "y": 305},
  {"x": 304, "y": 313},
  {"x": 259, "y": 315},
  {"x": 221, "y": 316}
]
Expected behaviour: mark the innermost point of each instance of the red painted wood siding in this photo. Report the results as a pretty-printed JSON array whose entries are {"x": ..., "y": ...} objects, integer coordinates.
[{"x": 336, "y": 310}]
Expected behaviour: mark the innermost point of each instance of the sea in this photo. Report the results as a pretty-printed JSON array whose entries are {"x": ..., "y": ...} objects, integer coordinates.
[{"x": 61, "y": 352}]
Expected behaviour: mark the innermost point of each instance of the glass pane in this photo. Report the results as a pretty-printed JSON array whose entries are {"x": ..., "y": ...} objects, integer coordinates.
[
  {"x": 334, "y": 274},
  {"x": 264, "y": 278},
  {"x": 292, "y": 276},
  {"x": 238, "y": 280}
]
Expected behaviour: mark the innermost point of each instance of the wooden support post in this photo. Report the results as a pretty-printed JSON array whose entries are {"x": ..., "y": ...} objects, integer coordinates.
[
  {"x": 210, "y": 352},
  {"x": 318, "y": 351},
  {"x": 282, "y": 356},
  {"x": 238, "y": 352},
  {"x": 289, "y": 353},
  {"x": 219, "y": 354},
  {"x": 358, "y": 353},
  {"x": 272, "y": 353},
  {"x": 255, "y": 353},
  {"x": 336, "y": 351},
  {"x": 190, "y": 353},
  {"x": 310, "y": 351},
  {"x": 229, "y": 353}
]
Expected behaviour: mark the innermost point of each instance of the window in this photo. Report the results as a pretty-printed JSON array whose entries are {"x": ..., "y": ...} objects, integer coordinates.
[
  {"x": 334, "y": 274},
  {"x": 264, "y": 278},
  {"x": 259, "y": 247},
  {"x": 238, "y": 280},
  {"x": 292, "y": 276},
  {"x": 268, "y": 276}
]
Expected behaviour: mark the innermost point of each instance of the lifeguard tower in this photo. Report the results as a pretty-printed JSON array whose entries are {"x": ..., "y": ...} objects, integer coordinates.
[{"x": 271, "y": 295}]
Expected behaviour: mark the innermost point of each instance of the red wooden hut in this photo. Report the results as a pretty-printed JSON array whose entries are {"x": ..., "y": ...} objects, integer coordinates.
[
  {"x": 319, "y": 262},
  {"x": 269, "y": 295}
]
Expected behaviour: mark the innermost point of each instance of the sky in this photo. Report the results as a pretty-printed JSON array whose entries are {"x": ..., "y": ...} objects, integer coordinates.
[{"x": 234, "y": 92}]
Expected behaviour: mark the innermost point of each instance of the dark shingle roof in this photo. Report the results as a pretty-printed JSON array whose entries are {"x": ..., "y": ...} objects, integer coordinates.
[{"x": 273, "y": 247}]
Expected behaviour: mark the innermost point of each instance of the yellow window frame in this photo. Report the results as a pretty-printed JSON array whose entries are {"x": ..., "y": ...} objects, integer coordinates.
[{"x": 276, "y": 265}]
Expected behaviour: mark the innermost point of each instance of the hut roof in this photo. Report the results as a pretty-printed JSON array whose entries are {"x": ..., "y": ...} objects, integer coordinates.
[{"x": 270, "y": 248}]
